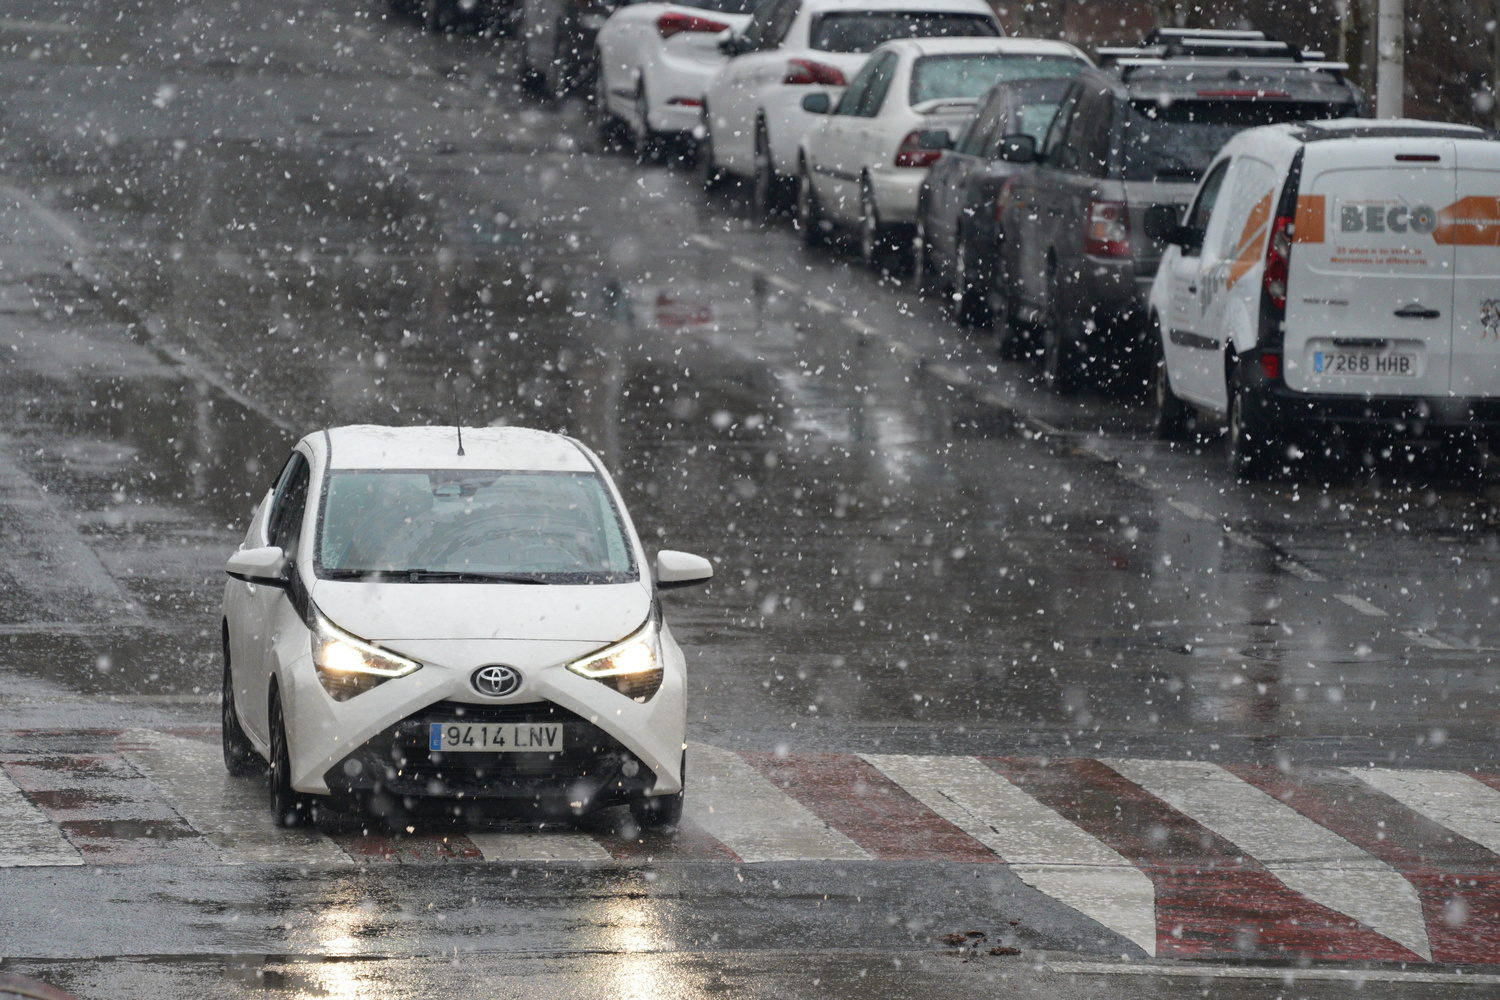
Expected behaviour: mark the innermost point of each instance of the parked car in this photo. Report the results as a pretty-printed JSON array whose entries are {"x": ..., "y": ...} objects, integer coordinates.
[
  {"x": 753, "y": 115},
  {"x": 863, "y": 164},
  {"x": 559, "y": 42},
  {"x": 1075, "y": 264},
  {"x": 452, "y": 619},
  {"x": 957, "y": 236},
  {"x": 461, "y": 15},
  {"x": 655, "y": 61},
  {"x": 1336, "y": 274}
]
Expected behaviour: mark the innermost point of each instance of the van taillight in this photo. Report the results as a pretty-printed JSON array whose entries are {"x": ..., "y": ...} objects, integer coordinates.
[
  {"x": 1278, "y": 261},
  {"x": 673, "y": 23},
  {"x": 1108, "y": 233},
  {"x": 801, "y": 72}
]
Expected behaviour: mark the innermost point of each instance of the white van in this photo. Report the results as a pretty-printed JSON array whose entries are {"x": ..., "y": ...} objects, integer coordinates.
[{"x": 1341, "y": 272}]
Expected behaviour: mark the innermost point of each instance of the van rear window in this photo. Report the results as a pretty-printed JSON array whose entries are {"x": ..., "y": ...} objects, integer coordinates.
[
  {"x": 1175, "y": 141},
  {"x": 862, "y": 31}
]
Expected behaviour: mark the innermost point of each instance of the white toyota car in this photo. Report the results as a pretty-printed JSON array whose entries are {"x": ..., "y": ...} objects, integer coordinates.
[
  {"x": 423, "y": 621},
  {"x": 753, "y": 114},
  {"x": 655, "y": 61}
]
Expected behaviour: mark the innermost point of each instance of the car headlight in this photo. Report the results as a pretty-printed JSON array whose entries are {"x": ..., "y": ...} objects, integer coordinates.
[
  {"x": 631, "y": 666},
  {"x": 348, "y": 666}
]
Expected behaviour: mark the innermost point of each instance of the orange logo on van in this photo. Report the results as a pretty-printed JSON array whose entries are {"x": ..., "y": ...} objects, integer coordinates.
[
  {"x": 1247, "y": 253},
  {"x": 1311, "y": 221},
  {"x": 1470, "y": 222}
]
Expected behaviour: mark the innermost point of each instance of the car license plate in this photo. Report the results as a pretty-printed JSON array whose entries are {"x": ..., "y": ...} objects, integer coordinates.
[
  {"x": 1356, "y": 362},
  {"x": 495, "y": 737}
]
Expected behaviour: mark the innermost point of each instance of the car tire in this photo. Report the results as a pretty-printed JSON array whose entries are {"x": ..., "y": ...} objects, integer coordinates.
[
  {"x": 926, "y": 279},
  {"x": 1172, "y": 419},
  {"x": 809, "y": 212},
  {"x": 661, "y": 812},
  {"x": 289, "y": 807},
  {"x": 766, "y": 196},
  {"x": 613, "y": 132},
  {"x": 968, "y": 299},
  {"x": 240, "y": 758},
  {"x": 1061, "y": 370},
  {"x": 1250, "y": 443},
  {"x": 649, "y": 145},
  {"x": 876, "y": 239},
  {"x": 710, "y": 174}
]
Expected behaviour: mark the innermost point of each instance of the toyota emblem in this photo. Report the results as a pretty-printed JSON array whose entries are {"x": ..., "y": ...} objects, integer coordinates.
[{"x": 496, "y": 681}]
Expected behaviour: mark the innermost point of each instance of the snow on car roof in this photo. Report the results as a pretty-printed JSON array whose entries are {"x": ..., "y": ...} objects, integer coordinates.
[
  {"x": 369, "y": 446},
  {"x": 924, "y": 6},
  {"x": 1004, "y": 46}
]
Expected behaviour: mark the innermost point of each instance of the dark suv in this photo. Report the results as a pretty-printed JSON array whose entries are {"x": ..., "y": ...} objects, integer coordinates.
[{"x": 1075, "y": 264}]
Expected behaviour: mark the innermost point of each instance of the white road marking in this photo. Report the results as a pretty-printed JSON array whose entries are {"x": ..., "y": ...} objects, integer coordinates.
[
  {"x": 746, "y": 264},
  {"x": 706, "y": 242},
  {"x": 748, "y": 814},
  {"x": 1423, "y": 638},
  {"x": 783, "y": 284},
  {"x": 1192, "y": 510},
  {"x": 231, "y": 813},
  {"x": 950, "y": 374},
  {"x": 1298, "y": 570},
  {"x": 1288, "y": 976},
  {"x": 1046, "y": 851},
  {"x": 28, "y": 838},
  {"x": 826, "y": 308},
  {"x": 1308, "y": 858},
  {"x": 1044, "y": 427},
  {"x": 861, "y": 327},
  {"x": 1243, "y": 540},
  {"x": 1461, "y": 802},
  {"x": 540, "y": 846},
  {"x": 1361, "y": 605}
]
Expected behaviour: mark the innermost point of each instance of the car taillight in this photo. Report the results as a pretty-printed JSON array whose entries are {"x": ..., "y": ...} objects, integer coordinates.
[
  {"x": 1002, "y": 198},
  {"x": 920, "y": 148},
  {"x": 801, "y": 72},
  {"x": 1108, "y": 233},
  {"x": 673, "y": 23},
  {"x": 1278, "y": 260},
  {"x": 1270, "y": 366}
]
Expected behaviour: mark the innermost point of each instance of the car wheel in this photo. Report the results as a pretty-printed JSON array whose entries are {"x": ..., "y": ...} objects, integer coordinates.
[
  {"x": 240, "y": 758},
  {"x": 765, "y": 193},
  {"x": 875, "y": 237},
  {"x": 612, "y": 131},
  {"x": 648, "y": 144},
  {"x": 1250, "y": 444},
  {"x": 661, "y": 812},
  {"x": 710, "y": 174},
  {"x": 809, "y": 212},
  {"x": 289, "y": 807},
  {"x": 924, "y": 275},
  {"x": 1172, "y": 419},
  {"x": 1060, "y": 363},
  {"x": 969, "y": 305}
]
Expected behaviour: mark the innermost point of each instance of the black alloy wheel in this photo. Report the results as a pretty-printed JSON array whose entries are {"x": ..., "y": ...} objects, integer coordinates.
[
  {"x": 1172, "y": 419},
  {"x": 289, "y": 807},
  {"x": 925, "y": 277},
  {"x": 1249, "y": 444},
  {"x": 710, "y": 174},
  {"x": 240, "y": 758},
  {"x": 765, "y": 189},
  {"x": 661, "y": 812},
  {"x": 1060, "y": 364},
  {"x": 649, "y": 146},
  {"x": 809, "y": 212},
  {"x": 970, "y": 306},
  {"x": 613, "y": 133}
]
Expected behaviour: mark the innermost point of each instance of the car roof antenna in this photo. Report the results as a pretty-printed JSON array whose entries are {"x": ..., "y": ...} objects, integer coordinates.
[{"x": 460, "y": 428}]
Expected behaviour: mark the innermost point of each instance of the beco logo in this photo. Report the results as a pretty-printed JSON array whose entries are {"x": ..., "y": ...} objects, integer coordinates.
[{"x": 1387, "y": 219}]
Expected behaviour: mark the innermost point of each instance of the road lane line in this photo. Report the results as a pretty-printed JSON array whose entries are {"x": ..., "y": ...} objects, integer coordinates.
[
  {"x": 748, "y": 814},
  {"x": 706, "y": 242},
  {"x": 826, "y": 308},
  {"x": 1361, "y": 605},
  {"x": 1298, "y": 570},
  {"x": 745, "y": 263},
  {"x": 231, "y": 813},
  {"x": 791, "y": 288},
  {"x": 859, "y": 326},
  {"x": 1192, "y": 510},
  {"x": 539, "y": 846},
  {"x": 28, "y": 838},
  {"x": 1288, "y": 976},
  {"x": 1308, "y": 858},
  {"x": 1045, "y": 850},
  {"x": 1423, "y": 638},
  {"x": 1243, "y": 540},
  {"x": 1458, "y": 801}
]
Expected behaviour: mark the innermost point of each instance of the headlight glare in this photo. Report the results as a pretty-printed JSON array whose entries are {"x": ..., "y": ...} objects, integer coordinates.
[
  {"x": 348, "y": 666},
  {"x": 631, "y": 666}
]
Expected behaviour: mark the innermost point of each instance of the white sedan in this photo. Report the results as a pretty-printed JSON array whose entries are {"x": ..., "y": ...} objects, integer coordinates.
[
  {"x": 655, "y": 61},
  {"x": 753, "y": 111},
  {"x": 863, "y": 163},
  {"x": 423, "y": 621}
]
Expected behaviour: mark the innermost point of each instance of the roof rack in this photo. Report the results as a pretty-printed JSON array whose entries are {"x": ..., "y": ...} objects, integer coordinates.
[{"x": 1163, "y": 45}]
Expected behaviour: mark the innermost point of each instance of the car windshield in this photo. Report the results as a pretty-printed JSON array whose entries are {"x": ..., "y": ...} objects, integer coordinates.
[
  {"x": 862, "y": 31},
  {"x": 719, "y": 6},
  {"x": 970, "y": 74},
  {"x": 1175, "y": 141},
  {"x": 545, "y": 527}
]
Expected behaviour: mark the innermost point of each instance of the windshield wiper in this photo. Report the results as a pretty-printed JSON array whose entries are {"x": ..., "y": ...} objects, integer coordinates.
[{"x": 461, "y": 576}]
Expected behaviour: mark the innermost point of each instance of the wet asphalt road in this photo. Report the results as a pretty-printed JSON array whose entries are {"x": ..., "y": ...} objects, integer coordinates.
[{"x": 228, "y": 224}]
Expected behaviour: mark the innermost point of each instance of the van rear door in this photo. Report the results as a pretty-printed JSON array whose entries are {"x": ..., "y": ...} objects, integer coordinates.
[
  {"x": 1370, "y": 291},
  {"x": 1472, "y": 224}
]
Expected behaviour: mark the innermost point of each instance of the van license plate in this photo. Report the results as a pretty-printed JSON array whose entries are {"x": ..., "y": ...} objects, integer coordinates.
[
  {"x": 1381, "y": 363},
  {"x": 495, "y": 737}
]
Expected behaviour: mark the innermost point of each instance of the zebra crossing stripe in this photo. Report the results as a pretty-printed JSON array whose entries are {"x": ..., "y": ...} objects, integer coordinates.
[
  {"x": 1307, "y": 857},
  {"x": 1462, "y": 803},
  {"x": 230, "y": 812},
  {"x": 733, "y": 802},
  {"x": 1045, "y": 850},
  {"x": 27, "y": 838},
  {"x": 539, "y": 846}
]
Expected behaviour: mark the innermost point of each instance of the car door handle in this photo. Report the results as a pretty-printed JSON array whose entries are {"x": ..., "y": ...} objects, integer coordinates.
[
  {"x": 1415, "y": 310},
  {"x": 1192, "y": 289}
]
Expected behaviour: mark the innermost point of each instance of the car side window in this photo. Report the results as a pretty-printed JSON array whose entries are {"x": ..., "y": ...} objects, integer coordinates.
[
  {"x": 290, "y": 504},
  {"x": 982, "y": 129},
  {"x": 1202, "y": 211},
  {"x": 779, "y": 18},
  {"x": 759, "y": 28},
  {"x": 1060, "y": 122},
  {"x": 1095, "y": 140},
  {"x": 1073, "y": 153},
  {"x": 855, "y": 92},
  {"x": 880, "y": 82}
]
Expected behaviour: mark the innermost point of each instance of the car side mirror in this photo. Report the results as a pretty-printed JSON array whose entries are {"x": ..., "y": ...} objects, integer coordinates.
[
  {"x": 817, "y": 104},
  {"x": 1161, "y": 223},
  {"x": 681, "y": 569},
  {"x": 265, "y": 566},
  {"x": 731, "y": 44},
  {"x": 1018, "y": 148}
]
